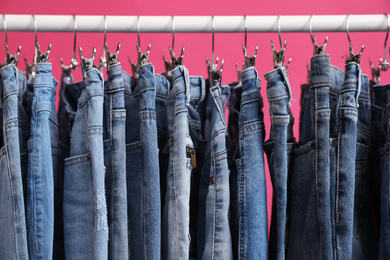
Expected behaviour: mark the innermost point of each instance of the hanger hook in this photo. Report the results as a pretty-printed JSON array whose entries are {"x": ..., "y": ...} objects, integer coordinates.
[
  {"x": 311, "y": 31},
  {"x": 36, "y": 37},
  {"x": 385, "y": 63},
  {"x": 246, "y": 30},
  {"x": 280, "y": 37},
  {"x": 139, "y": 41},
  {"x": 74, "y": 37},
  {"x": 105, "y": 36},
  {"x": 5, "y": 29},
  {"x": 349, "y": 39},
  {"x": 173, "y": 33},
  {"x": 212, "y": 42}
]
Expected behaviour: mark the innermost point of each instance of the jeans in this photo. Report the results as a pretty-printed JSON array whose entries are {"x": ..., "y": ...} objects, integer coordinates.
[
  {"x": 176, "y": 212},
  {"x": 365, "y": 240},
  {"x": 195, "y": 109},
  {"x": 279, "y": 153},
  {"x": 304, "y": 95},
  {"x": 310, "y": 227},
  {"x": 343, "y": 196},
  {"x": 114, "y": 124},
  {"x": 384, "y": 243},
  {"x": 85, "y": 212},
  {"x": 69, "y": 94},
  {"x": 214, "y": 198},
  {"x": 12, "y": 211},
  {"x": 40, "y": 177},
  {"x": 251, "y": 186},
  {"x": 142, "y": 168}
]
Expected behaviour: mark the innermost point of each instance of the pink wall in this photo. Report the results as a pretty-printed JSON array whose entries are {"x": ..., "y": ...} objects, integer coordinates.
[{"x": 227, "y": 46}]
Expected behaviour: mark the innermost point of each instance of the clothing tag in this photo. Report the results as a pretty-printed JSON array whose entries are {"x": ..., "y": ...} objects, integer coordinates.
[{"x": 192, "y": 154}]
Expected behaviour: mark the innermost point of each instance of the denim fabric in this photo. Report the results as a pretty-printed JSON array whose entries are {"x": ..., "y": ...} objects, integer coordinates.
[
  {"x": 214, "y": 198},
  {"x": 251, "y": 185},
  {"x": 197, "y": 96},
  {"x": 384, "y": 242},
  {"x": 346, "y": 152},
  {"x": 176, "y": 211},
  {"x": 12, "y": 211},
  {"x": 85, "y": 212},
  {"x": 279, "y": 96},
  {"x": 142, "y": 168},
  {"x": 234, "y": 104},
  {"x": 40, "y": 176},
  {"x": 114, "y": 123},
  {"x": 69, "y": 94},
  {"x": 365, "y": 241},
  {"x": 310, "y": 227},
  {"x": 304, "y": 94}
]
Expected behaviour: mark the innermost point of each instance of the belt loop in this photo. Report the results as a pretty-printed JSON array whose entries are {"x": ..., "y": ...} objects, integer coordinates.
[
  {"x": 359, "y": 85},
  {"x": 286, "y": 83}
]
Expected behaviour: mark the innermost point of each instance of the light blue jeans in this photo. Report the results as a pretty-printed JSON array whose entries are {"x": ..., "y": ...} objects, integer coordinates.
[
  {"x": 12, "y": 211},
  {"x": 85, "y": 211}
]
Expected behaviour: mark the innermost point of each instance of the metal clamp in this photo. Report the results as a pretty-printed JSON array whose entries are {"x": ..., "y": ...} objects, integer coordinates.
[{"x": 87, "y": 64}]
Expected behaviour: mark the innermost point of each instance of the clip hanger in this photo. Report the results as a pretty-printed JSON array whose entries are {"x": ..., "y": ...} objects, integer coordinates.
[
  {"x": 10, "y": 59},
  {"x": 112, "y": 58},
  {"x": 87, "y": 64},
  {"x": 214, "y": 74},
  {"x": 278, "y": 56},
  {"x": 250, "y": 61},
  {"x": 43, "y": 57},
  {"x": 176, "y": 61},
  {"x": 134, "y": 68},
  {"x": 375, "y": 71},
  {"x": 143, "y": 58},
  {"x": 167, "y": 64},
  {"x": 352, "y": 56},
  {"x": 30, "y": 73}
]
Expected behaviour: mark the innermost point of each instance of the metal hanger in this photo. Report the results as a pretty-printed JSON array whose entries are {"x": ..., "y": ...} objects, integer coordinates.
[
  {"x": 142, "y": 58},
  {"x": 215, "y": 76},
  {"x": 87, "y": 64},
  {"x": 249, "y": 61},
  {"x": 102, "y": 59},
  {"x": 317, "y": 49},
  {"x": 66, "y": 70},
  {"x": 40, "y": 57},
  {"x": 30, "y": 73},
  {"x": 10, "y": 59},
  {"x": 385, "y": 63},
  {"x": 278, "y": 56},
  {"x": 112, "y": 58},
  {"x": 175, "y": 62},
  {"x": 168, "y": 63},
  {"x": 353, "y": 57},
  {"x": 134, "y": 68}
]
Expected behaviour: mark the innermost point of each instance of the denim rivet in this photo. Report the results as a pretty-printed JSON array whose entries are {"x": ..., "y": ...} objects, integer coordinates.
[
  {"x": 212, "y": 180},
  {"x": 89, "y": 158},
  {"x": 334, "y": 142}
]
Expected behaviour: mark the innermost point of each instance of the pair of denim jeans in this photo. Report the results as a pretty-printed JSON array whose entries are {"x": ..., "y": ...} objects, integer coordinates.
[
  {"x": 322, "y": 188},
  {"x": 214, "y": 238},
  {"x": 114, "y": 136},
  {"x": 84, "y": 209},
  {"x": 176, "y": 212},
  {"x": 279, "y": 149},
  {"x": 43, "y": 156},
  {"x": 12, "y": 210},
  {"x": 142, "y": 166}
]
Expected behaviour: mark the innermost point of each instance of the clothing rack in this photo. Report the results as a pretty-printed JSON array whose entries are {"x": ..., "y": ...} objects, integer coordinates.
[{"x": 194, "y": 24}]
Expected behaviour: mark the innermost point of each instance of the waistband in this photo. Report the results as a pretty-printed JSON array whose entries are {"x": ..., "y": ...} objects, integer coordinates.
[
  {"x": 9, "y": 72},
  {"x": 94, "y": 86},
  {"x": 198, "y": 90},
  {"x": 278, "y": 86}
]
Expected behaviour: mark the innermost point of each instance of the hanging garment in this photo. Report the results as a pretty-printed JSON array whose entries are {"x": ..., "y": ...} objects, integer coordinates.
[
  {"x": 176, "y": 212},
  {"x": 251, "y": 185},
  {"x": 12, "y": 219},
  {"x": 310, "y": 227},
  {"x": 384, "y": 243},
  {"x": 365, "y": 240},
  {"x": 114, "y": 136},
  {"x": 85, "y": 212},
  {"x": 279, "y": 149},
  {"x": 142, "y": 168},
  {"x": 42, "y": 164},
  {"x": 214, "y": 239}
]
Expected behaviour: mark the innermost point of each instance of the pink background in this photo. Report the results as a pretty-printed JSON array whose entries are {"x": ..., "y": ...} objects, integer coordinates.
[{"x": 227, "y": 46}]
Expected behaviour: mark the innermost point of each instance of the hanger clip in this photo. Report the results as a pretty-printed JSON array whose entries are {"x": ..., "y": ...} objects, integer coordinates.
[
  {"x": 12, "y": 59},
  {"x": 112, "y": 58},
  {"x": 278, "y": 56},
  {"x": 352, "y": 57},
  {"x": 143, "y": 58},
  {"x": 42, "y": 57},
  {"x": 134, "y": 68},
  {"x": 176, "y": 61},
  {"x": 250, "y": 61},
  {"x": 30, "y": 73},
  {"x": 167, "y": 65},
  {"x": 319, "y": 49},
  {"x": 375, "y": 71},
  {"x": 87, "y": 64},
  {"x": 214, "y": 74},
  {"x": 239, "y": 71}
]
